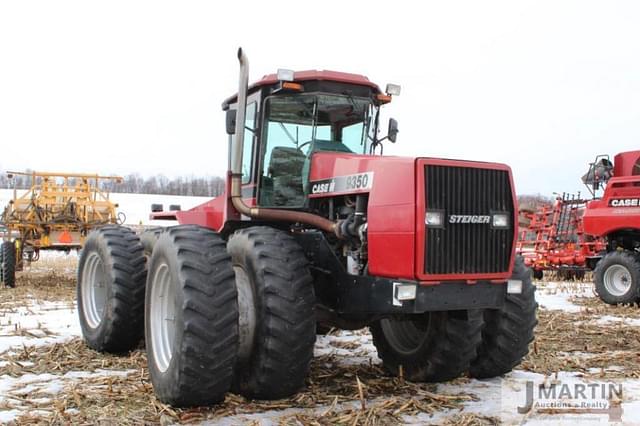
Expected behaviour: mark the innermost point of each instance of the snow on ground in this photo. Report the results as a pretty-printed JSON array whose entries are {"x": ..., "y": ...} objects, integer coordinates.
[
  {"x": 38, "y": 324},
  {"x": 356, "y": 348},
  {"x": 613, "y": 320},
  {"x": 556, "y": 295},
  {"x": 34, "y": 389},
  {"x": 501, "y": 397}
]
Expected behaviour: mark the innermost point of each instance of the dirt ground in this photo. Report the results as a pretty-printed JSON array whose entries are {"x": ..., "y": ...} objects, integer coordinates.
[{"x": 48, "y": 376}]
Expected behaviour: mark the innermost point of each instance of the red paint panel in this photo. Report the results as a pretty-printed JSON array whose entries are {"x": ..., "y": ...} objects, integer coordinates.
[
  {"x": 625, "y": 163},
  {"x": 600, "y": 219},
  {"x": 212, "y": 214},
  {"x": 391, "y": 255}
]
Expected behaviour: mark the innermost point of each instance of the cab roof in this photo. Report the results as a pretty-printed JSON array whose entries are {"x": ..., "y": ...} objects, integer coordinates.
[{"x": 310, "y": 75}]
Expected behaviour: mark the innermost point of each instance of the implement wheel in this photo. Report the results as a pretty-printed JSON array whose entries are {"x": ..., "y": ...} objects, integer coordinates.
[
  {"x": 617, "y": 278},
  {"x": 191, "y": 317},
  {"x": 110, "y": 291},
  {"x": 277, "y": 321},
  {"x": 8, "y": 264},
  {"x": 432, "y": 347}
]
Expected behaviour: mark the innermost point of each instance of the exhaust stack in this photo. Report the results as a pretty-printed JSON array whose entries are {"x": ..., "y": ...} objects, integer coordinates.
[{"x": 236, "y": 168}]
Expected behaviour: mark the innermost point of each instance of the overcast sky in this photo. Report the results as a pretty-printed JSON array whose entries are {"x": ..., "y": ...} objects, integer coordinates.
[{"x": 136, "y": 86}]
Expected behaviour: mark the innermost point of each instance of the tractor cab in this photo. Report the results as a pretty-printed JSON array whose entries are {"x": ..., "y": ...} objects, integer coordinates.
[{"x": 290, "y": 116}]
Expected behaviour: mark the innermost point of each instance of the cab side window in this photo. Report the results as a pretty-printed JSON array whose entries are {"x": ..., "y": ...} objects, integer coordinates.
[{"x": 247, "y": 149}]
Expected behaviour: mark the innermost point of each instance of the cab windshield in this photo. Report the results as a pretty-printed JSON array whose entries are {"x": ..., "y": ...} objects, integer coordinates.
[{"x": 297, "y": 126}]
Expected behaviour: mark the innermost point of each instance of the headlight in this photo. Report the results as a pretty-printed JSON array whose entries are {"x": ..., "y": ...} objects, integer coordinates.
[
  {"x": 514, "y": 287},
  {"x": 393, "y": 89},
  {"x": 500, "y": 220},
  {"x": 434, "y": 219},
  {"x": 285, "y": 75}
]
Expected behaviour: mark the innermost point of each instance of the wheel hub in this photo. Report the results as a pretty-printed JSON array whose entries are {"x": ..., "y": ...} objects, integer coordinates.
[
  {"x": 94, "y": 290},
  {"x": 163, "y": 316},
  {"x": 617, "y": 280},
  {"x": 247, "y": 313}
]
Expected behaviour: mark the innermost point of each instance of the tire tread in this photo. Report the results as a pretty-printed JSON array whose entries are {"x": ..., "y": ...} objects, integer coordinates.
[
  {"x": 508, "y": 331},
  {"x": 285, "y": 335}
]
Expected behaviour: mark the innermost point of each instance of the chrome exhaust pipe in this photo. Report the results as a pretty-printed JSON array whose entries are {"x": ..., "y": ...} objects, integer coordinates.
[{"x": 243, "y": 84}]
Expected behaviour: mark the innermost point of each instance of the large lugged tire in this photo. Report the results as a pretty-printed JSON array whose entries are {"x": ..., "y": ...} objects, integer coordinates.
[
  {"x": 617, "y": 278},
  {"x": 149, "y": 238},
  {"x": 433, "y": 347},
  {"x": 191, "y": 317},
  {"x": 277, "y": 320},
  {"x": 8, "y": 264},
  {"x": 110, "y": 291},
  {"x": 507, "y": 331}
]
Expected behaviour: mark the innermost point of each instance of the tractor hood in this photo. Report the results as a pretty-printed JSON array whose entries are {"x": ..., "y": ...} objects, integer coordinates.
[{"x": 466, "y": 195}]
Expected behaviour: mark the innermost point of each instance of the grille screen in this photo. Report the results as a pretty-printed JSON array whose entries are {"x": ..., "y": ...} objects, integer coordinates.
[{"x": 466, "y": 248}]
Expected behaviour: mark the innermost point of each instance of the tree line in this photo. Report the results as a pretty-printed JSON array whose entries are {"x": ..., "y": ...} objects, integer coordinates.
[
  {"x": 534, "y": 201},
  {"x": 210, "y": 186}
]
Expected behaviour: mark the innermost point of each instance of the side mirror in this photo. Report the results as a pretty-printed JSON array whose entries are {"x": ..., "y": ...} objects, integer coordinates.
[
  {"x": 392, "y": 133},
  {"x": 231, "y": 121}
]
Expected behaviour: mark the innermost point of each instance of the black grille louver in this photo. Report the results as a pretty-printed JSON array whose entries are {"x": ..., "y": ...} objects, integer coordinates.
[{"x": 468, "y": 248}]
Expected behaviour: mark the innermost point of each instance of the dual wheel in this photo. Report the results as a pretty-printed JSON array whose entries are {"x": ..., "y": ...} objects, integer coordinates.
[
  {"x": 439, "y": 346},
  {"x": 239, "y": 315},
  {"x": 215, "y": 316}
]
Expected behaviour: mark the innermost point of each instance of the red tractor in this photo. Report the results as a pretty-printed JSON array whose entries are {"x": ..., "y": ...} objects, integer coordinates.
[
  {"x": 317, "y": 229},
  {"x": 616, "y": 218}
]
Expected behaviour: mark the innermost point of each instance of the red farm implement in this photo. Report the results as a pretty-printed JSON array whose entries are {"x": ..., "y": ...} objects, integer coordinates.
[
  {"x": 552, "y": 238},
  {"x": 615, "y": 217}
]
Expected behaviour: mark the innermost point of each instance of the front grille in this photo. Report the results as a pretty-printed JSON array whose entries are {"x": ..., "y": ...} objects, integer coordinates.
[{"x": 467, "y": 248}]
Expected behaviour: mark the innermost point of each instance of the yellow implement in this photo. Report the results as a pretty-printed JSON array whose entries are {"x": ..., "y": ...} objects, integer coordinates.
[{"x": 57, "y": 212}]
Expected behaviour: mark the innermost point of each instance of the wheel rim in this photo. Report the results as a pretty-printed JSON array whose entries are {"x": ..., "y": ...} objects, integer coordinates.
[
  {"x": 617, "y": 280},
  {"x": 247, "y": 313},
  {"x": 405, "y": 337},
  {"x": 162, "y": 316},
  {"x": 94, "y": 290}
]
